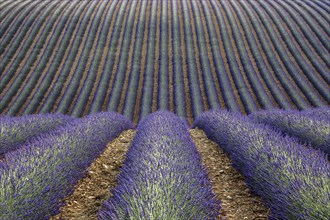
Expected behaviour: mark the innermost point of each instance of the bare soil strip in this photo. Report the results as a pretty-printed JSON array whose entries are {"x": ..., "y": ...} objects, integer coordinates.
[
  {"x": 102, "y": 62},
  {"x": 170, "y": 57},
  {"x": 40, "y": 56},
  {"x": 67, "y": 50},
  {"x": 90, "y": 192},
  {"x": 188, "y": 96},
  {"x": 117, "y": 56},
  {"x": 264, "y": 57},
  {"x": 237, "y": 56},
  {"x": 31, "y": 47},
  {"x": 137, "y": 106},
  {"x": 76, "y": 59},
  {"x": 157, "y": 54},
  {"x": 224, "y": 58},
  {"x": 210, "y": 56},
  {"x": 91, "y": 54},
  {"x": 227, "y": 183},
  {"x": 251, "y": 57}
]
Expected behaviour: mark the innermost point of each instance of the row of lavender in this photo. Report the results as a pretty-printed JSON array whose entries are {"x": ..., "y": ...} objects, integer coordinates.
[
  {"x": 162, "y": 176},
  {"x": 35, "y": 178},
  {"x": 292, "y": 178},
  {"x": 240, "y": 55}
]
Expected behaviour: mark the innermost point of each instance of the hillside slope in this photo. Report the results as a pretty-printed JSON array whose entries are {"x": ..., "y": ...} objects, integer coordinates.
[{"x": 134, "y": 57}]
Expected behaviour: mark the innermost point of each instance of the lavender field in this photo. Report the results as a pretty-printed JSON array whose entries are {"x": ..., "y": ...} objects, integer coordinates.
[{"x": 254, "y": 75}]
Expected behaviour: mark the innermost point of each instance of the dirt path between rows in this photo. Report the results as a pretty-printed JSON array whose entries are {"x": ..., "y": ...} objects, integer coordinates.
[
  {"x": 90, "y": 192},
  {"x": 228, "y": 185}
]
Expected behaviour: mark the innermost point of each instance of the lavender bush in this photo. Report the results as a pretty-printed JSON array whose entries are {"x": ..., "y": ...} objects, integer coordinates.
[
  {"x": 35, "y": 178},
  {"x": 14, "y": 131},
  {"x": 292, "y": 179},
  {"x": 308, "y": 128},
  {"x": 322, "y": 113},
  {"x": 162, "y": 176}
]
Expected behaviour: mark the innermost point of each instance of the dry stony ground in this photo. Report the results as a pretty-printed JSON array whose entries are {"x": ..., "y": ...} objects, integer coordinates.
[{"x": 227, "y": 183}]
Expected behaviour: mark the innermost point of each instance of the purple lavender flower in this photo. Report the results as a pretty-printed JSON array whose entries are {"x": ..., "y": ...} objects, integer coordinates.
[
  {"x": 293, "y": 179},
  {"x": 162, "y": 176},
  {"x": 35, "y": 178},
  {"x": 15, "y": 131},
  {"x": 311, "y": 128}
]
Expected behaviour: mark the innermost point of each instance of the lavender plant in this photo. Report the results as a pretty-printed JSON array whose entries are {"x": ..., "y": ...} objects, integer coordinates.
[
  {"x": 292, "y": 179},
  {"x": 162, "y": 176},
  {"x": 322, "y": 113},
  {"x": 14, "y": 131},
  {"x": 35, "y": 178},
  {"x": 308, "y": 128}
]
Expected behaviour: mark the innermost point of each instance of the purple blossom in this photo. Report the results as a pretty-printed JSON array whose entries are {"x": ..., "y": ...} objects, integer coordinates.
[
  {"x": 15, "y": 131},
  {"x": 35, "y": 178},
  {"x": 309, "y": 126},
  {"x": 292, "y": 179},
  {"x": 162, "y": 176}
]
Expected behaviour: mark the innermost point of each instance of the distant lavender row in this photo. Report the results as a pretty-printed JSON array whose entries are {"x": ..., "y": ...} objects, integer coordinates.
[
  {"x": 292, "y": 179},
  {"x": 14, "y": 131},
  {"x": 35, "y": 179},
  {"x": 162, "y": 176},
  {"x": 309, "y": 129}
]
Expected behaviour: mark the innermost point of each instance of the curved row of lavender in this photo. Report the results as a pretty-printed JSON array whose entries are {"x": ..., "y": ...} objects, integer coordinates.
[
  {"x": 35, "y": 178},
  {"x": 308, "y": 128},
  {"x": 15, "y": 131},
  {"x": 322, "y": 113},
  {"x": 292, "y": 179},
  {"x": 162, "y": 176}
]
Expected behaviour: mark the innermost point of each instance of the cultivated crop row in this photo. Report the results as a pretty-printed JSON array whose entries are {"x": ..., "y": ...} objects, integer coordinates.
[
  {"x": 78, "y": 57},
  {"x": 292, "y": 179},
  {"x": 162, "y": 176},
  {"x": 35, "y": 178}
]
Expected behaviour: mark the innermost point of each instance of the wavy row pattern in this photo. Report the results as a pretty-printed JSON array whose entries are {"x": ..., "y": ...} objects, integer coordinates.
[
  {"x": 135, "y": 57},
  {"x": 35, "y": 178},
  {"x": 162, "y": 176},
  {"x": 292, "y": 179}
]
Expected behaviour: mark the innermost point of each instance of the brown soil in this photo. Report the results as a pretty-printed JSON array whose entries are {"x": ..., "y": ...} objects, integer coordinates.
[
  {"x": 197, "y": 59},
  {"x": 210, "y": 56},
  {"x": 170, "y": 56},
  {"x": 157, "y": 57},
  {"x": 129, "y": 61},
  {"x": 143, "y": 63},
  {"x": 251, "y": 57},
  {"x": 103, "y": 60},
  {"x": 117, "y": 55},
  {"x": 227, "y": 183},
  {"x": 30, "y": 48},
  {"x": 66, "y": 54},
  {"x": 264, "y": 57},
  {"x": 91, "y": 191},
  {"x": 188, "y": 98},
  {"x": 40, "y": 56},
  {"x": 91, "y": 55},
  {"x": 76, "y": 59},
  {"x": 238, "y": 56},
  {"x": 224, "y": 58}
]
